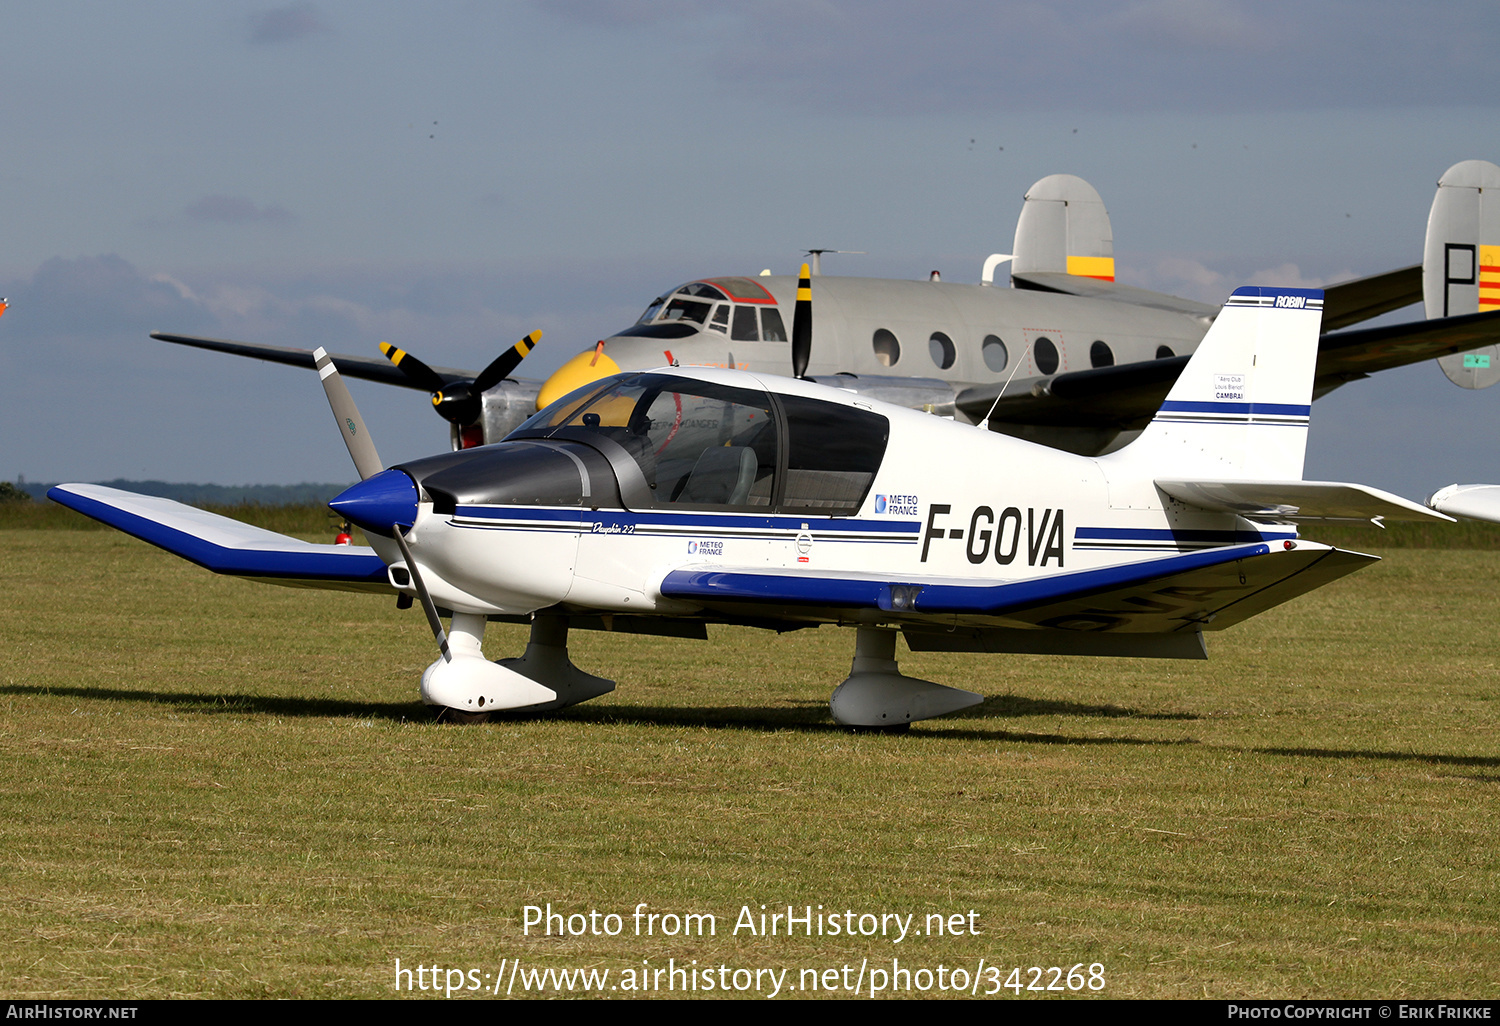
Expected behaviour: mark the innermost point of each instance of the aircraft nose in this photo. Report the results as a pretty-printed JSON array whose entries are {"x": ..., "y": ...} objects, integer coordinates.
[
  {"x": 379, "y": 504},
  {"x": 587, "y": 367}
]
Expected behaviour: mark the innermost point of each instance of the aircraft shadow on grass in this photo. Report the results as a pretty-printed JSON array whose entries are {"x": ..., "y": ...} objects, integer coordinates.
[
  {"x": 806, "y": 717},
  {"x": 210, "y": 704},
  {"x": 1370, "y": 753}
]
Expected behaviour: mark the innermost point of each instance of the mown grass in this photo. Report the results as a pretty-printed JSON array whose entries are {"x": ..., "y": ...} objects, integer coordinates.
[{"x": 216, "y": 788}]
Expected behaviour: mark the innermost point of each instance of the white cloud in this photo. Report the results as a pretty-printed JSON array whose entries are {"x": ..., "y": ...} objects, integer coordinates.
[
  {"x": 236, "y": 210},
  {"x": 284, "y": 24}
]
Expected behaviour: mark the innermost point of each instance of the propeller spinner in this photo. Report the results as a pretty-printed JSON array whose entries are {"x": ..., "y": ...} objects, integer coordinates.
[{"x": 462, "y": 683}]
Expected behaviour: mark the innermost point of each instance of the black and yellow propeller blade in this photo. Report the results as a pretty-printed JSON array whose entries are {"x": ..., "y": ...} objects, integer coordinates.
[
  {"x": 419, "y": 372},
  {"x": 802, "y": 325},
  {"x": 457, "y": 399},
  {"x": 505, "y": 363}
]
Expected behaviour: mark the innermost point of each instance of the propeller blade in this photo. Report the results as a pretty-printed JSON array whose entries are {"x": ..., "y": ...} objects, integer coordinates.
[
  {"x": 421, "y": 375},
  {"x": 428, "y": 606},
  {"x": 504, "y": 364},
  {"x": 802, "y": 325},
  {"x": 351, "y": 424}
]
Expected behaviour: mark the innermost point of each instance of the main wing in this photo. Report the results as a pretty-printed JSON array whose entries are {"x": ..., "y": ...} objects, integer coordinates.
[
  {"x": 364, "y": 367},
  {"x": 1178, "y": 594},
  {"x": 227, "y": 546},
  {"x": 1126, "y": 396},
  {"x": 1344, "y": 304}
]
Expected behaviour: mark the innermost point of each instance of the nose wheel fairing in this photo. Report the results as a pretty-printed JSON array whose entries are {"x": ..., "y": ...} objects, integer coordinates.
[
  {"x": 541, "y": 680},
  {"x": 466, "y": 681}
]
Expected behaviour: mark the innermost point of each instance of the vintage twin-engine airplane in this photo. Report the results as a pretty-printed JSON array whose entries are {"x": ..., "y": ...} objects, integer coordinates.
[
  {"x": 1066, "y": 356},
  {"x": 661, "y": 501}
]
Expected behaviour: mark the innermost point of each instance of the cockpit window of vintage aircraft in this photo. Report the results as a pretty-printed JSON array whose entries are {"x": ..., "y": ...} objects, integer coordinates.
[
  {"x": 652, "y": 310},
  {"x": 747, "y": 290},
  {"x": 771, "y": 326},
  {"x": 680, "y": 308},
  {"x": 738, "y": 307}
]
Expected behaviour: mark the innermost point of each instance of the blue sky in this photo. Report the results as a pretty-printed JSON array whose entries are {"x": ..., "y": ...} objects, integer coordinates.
[{"x": 450, "y": 176}]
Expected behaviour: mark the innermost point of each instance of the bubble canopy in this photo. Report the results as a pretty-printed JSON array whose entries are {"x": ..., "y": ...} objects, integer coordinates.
[{"x": 708, "y": 444}]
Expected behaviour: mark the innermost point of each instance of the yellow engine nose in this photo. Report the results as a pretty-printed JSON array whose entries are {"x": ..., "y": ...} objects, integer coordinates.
[{"x": 588, "y": 366}]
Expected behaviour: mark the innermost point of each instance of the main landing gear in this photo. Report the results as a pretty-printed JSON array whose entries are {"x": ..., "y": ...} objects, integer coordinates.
[{"x": 877, "y": 694}]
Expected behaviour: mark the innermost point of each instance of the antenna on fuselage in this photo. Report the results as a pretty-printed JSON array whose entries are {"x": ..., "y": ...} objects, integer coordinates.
[{"x": 816, "y": 255}]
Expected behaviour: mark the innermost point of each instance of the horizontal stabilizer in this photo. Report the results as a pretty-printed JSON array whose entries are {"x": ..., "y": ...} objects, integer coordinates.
[
  {"x": 1474, "y": 501},
  {"x": 1097, "y": 288},
  {"x": 226, "y": 546},
  {"x": 1298, "y": 500}
]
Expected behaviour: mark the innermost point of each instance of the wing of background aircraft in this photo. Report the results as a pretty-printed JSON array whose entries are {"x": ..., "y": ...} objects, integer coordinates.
[
  {"x": 366, "y": 368},
  {"x": 478, "y": 407},
  {"x": 1348, "y": 302},
  {"x": 1126, "y": 395}
]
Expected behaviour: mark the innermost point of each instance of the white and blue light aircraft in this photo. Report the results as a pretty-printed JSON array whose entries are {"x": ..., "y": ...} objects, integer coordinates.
[{"x": 661, "y": 501}]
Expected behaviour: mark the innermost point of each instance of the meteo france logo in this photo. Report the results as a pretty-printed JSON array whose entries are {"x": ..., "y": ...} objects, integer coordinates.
[
  {"x": 692, "y": 548},
  {"x": 896, "y": 505}
]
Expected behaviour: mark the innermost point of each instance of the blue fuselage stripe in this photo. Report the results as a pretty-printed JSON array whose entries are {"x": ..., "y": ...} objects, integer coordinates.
[
  {"x": 1269, "y": 409},
  {"x": 689, "y": 520},
  {"x": 1167, "y": 534},
  {"x": 842, "y": 592}
]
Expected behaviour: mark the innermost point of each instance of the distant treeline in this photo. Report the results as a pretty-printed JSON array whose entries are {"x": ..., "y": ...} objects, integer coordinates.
[
  {"x": 216, "y": 495},
  {"x": 303, "y": 509}
]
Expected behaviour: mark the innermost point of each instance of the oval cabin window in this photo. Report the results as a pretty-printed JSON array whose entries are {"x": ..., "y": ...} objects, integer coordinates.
[
  {"x": 940, "y": 347},
  {"x": 996, "y": 356},
  {"x": 1045, "y": 355}
]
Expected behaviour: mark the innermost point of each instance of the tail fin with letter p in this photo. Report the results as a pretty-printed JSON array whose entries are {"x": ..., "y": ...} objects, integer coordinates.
[{"x": 1461, "y": 261}]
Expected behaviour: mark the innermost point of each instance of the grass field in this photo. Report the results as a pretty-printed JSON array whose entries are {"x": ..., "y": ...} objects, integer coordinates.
[{"x": 222, "y": 789}]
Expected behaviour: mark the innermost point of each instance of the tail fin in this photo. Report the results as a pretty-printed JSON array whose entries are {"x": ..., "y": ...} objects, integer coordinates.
[
  {"x": 1461, "y": 261},
  {"x": 1240, "y": 408},
  {"x": 1064, "y": 227}
]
